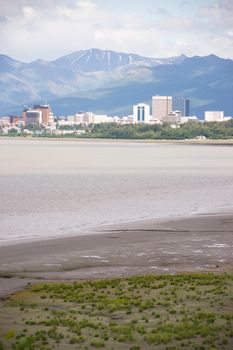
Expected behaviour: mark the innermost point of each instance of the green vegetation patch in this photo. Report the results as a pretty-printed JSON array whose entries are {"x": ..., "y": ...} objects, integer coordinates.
[
  {"x": 210, "y": 130},
  {"x": 189, "y": 311}
]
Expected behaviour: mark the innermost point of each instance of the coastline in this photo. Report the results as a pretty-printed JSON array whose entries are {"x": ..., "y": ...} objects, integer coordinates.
[
  {"x": 201, "y": 243},
  {"x": 215, "y": 142}
]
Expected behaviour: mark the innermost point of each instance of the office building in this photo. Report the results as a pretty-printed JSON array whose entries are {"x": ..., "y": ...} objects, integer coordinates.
[
  {"x": 24, "y": 113},
  {"x": 79, "y": 118},
  {"x": 141, "y": 113},
  {"x": 51, "y": 118},
  {"x": 14, "y": 119},
  {"x": 45, "y": 109},
  {"x": 161, "y": 107},
  {"x": 181, "y": 104},
  {"x": 214, "y": 116},
  {"x": 88, "y": 118},
  {"x": 173, "y": 118},
  {"x": 33, "y": 117}
]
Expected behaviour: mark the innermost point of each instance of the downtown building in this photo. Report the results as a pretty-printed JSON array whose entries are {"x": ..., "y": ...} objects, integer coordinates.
[
  {"x": 214, "y": 116},
  {"x": 141, "y": 113},
  {"x": 161, "y": 107},
  {"x": 181, "y": 104},
  {"x": 45, "y": 110},
  {"x": 39, "y": 114},
  {"x": 173, "y": 117},
  {"x": 33, "y": 117}
]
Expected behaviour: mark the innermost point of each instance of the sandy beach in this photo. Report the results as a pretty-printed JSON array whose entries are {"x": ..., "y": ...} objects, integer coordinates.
[{"x": 198, "y": 243}]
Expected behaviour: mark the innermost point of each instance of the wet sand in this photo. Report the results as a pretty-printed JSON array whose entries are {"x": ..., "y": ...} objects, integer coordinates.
[{"x": 199, "y": 243}]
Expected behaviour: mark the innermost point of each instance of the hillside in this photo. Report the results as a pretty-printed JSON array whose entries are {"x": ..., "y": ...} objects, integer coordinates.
[{"x": 111, "y": 82}]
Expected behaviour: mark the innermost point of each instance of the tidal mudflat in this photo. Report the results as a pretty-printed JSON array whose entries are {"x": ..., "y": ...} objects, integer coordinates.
[
  {"x": 126, "y": 241},
  {"x": 198, "y": 243}
]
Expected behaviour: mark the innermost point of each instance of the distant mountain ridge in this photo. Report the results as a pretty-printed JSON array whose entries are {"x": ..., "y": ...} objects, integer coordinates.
[
  {"x": 106, "y": 60},
  {"x": 110, "y": 82}
]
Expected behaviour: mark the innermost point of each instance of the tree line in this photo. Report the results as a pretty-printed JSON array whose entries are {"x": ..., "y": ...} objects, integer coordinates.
[
  {"x": 210, "y": 130},
  {"x": 190, "y": 130}
]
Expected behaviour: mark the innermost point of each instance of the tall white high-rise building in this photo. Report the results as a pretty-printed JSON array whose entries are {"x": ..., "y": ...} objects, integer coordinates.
[
  {"x": 141, "y": 113},
  {"x": 161, "y": 107}
]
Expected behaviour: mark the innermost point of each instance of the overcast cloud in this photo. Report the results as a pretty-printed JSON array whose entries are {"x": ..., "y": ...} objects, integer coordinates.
[{"x": 31, "y": 29}]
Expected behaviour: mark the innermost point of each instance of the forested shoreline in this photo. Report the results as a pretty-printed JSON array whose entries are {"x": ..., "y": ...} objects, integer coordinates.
[{"x": 210, "y": 130}]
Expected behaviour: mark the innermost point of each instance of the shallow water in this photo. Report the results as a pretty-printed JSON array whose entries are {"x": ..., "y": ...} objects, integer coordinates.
[{"x": 52, "y": 187}]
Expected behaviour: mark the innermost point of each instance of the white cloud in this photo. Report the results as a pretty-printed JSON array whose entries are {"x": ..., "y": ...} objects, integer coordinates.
[
  {"x": 226, "y": 5},
  {"x": 51, "y": 28},
  {"x": 28, "y": 12}
]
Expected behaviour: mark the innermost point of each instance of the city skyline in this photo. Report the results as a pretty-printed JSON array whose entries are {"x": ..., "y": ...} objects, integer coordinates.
[{"x": 48, "y": 29}]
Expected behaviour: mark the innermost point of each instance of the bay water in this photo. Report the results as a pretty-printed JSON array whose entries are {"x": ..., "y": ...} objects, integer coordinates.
[{"x": 62, "y": 188}]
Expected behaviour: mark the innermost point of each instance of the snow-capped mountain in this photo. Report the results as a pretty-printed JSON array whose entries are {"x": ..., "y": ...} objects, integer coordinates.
[
  {"x": 110, "y": 82},
  {"x": 105, "y": 60}
]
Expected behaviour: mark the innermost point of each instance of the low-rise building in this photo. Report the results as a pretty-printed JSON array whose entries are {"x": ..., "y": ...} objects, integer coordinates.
[
  {"x": 71, "y": 119},
  {"x": 79, "y": 117},
  {"x": 14, "y": 119},
  {"x": 214, "y": 116},
  {"x": 63, "y": 122},
  {"x": 226, "y": 119},
  {"x": 102, "y": 118},
  {"x": 192, "y": 119},
  {"x": 5, "y": 121},
  {"x": 173, "y": 117}
]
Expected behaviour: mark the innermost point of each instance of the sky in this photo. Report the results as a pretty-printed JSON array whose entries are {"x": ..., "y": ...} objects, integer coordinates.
[{"x": 48, "y": 29}]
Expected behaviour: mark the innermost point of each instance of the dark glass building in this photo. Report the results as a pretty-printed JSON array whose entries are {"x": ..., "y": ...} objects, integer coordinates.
[{"x": 181, "y": 104}]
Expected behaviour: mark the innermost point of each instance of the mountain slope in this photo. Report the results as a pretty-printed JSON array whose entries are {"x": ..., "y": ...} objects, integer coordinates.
[
  {"x": 110, "y": 82},
  {"x": 206, "y": 81},
  {"x": 9, "y": 65}
]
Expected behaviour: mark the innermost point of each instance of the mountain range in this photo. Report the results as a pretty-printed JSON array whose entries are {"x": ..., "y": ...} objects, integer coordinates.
[{"x": 110, "y": 82}]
